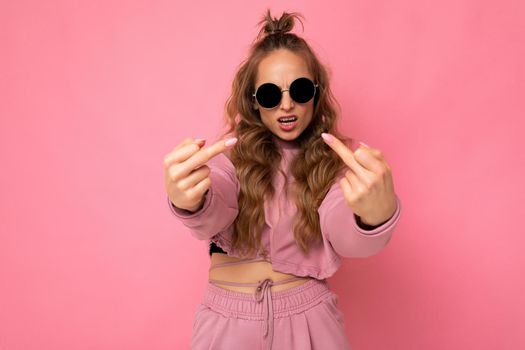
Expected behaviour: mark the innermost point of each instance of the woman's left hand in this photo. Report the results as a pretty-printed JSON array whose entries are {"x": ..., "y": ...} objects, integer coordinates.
[{"x": 367, "y": 185}]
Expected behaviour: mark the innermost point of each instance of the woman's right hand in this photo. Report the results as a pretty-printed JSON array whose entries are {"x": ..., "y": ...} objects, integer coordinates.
[{"x": 186, "y": 174}]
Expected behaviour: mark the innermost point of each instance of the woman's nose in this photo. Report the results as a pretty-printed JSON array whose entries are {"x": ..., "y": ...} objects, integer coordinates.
[{"x": 286, "y": 101}]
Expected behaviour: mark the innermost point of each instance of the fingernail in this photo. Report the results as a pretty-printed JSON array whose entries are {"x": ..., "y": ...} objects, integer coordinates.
[
  {"x": 230, "y": 142},
  {"x": 364, "y": 144},
  {"x": 199, "y": 140},
  {"x": 327, "y": 137}
]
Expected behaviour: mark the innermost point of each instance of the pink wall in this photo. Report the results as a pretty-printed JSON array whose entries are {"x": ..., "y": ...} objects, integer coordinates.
[{"x": 94, "y": 94}]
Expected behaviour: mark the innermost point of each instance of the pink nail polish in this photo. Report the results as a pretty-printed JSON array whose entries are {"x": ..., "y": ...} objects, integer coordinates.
[
  {"x": 230, "y": 142},
  {"x": 364, "y": 144},
  {"x": 327, "y": 137}
]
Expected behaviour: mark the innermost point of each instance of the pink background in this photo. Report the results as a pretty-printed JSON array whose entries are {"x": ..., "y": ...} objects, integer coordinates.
[{"x": 94, "y": 94}]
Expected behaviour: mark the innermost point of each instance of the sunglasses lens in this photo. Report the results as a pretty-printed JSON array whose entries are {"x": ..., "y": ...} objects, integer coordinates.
[
  {"x": 302, "y": 90},
  {"x": 268, "y": 95}
]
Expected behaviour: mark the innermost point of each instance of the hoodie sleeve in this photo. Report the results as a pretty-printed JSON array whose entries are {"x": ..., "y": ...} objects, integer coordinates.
[
  {"x": 340, "y": 226},
  {"x": 220, "y": 208}
]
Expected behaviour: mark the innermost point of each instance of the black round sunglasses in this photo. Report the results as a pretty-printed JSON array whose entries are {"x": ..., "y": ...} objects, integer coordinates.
[{"x": 269, "y": 95}]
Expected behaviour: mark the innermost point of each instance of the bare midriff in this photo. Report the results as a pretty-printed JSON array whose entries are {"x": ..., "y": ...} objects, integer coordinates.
[{"x": 249, "y": 272}]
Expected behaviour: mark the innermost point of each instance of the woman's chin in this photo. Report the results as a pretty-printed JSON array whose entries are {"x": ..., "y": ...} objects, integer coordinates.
[{"x": 288, "y": 134}]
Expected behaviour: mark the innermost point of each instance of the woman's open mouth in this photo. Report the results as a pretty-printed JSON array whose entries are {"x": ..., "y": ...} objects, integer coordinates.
[{"x": 287, "y": 123}]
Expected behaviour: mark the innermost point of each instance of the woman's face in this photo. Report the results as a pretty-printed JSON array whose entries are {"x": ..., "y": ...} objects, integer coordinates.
[{"x": 282, "y": 67}]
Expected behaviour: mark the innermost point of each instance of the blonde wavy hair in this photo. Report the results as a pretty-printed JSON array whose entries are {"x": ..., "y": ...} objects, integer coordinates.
[{"x": 256, "y": 157}]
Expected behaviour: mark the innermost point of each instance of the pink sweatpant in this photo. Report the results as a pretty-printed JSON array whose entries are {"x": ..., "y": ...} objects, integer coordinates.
[{"x": 302, "y": 317}]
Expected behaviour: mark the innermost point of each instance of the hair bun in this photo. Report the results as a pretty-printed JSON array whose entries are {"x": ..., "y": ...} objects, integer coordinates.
[
  {"x": 276, "y": 31},
  {"x": 282, "y": 25}
]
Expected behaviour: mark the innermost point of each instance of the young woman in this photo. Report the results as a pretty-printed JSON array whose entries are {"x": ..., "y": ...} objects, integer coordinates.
[{"x": 282, "y": 199}]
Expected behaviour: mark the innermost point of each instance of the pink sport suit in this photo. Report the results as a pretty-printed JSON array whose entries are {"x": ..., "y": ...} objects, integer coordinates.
[{"x": 301, "y": 317}]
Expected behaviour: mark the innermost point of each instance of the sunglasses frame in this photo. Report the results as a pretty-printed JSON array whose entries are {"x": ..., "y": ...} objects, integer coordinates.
[{"x": 254, "y": 95}]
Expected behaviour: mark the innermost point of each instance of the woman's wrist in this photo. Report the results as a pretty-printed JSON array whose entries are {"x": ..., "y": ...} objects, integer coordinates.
[
  {"x": 364, "y": 226},
  {"x": 200, "y": 205}
]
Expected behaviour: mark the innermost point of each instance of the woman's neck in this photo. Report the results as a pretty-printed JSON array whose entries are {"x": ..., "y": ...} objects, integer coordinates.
[{"x": 285, "y": 144}]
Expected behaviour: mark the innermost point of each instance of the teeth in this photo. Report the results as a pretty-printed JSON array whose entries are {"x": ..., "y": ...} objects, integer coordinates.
[{"x": 287, "y": 119}]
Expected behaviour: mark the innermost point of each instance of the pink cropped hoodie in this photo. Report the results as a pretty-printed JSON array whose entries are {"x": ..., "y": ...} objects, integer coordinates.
[{"x": 342, "y": 237}]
